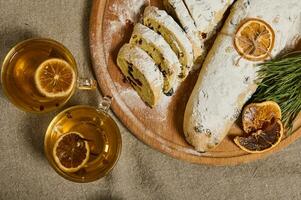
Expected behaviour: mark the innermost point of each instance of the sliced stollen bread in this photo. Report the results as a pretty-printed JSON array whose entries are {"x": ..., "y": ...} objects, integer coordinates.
[
  {"x": 178, "y": 9},
  {"x": 225, "y": 85},
  {"x": 207, "y": 15},
  {"x": 199, "y": 18},
  {"x": 155, "y": 45},
  {"x": 142, "y": 73},
  {"x": 165, "y": 25}
]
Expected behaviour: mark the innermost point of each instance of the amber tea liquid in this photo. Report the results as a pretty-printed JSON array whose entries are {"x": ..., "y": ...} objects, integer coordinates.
[
  {"x": 98, "y": 129},
  {"x": 17, "y": 73}
]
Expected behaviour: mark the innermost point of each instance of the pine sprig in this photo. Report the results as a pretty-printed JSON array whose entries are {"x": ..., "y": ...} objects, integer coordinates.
[{"x": 281, "y": 82}]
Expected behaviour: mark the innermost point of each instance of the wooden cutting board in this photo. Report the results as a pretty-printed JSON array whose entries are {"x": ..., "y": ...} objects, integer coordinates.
[{"x": 111, "y": 25}]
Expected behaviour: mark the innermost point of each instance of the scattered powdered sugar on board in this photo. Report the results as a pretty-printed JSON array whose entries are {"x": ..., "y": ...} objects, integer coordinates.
[
  {"x": 152, "y": 115},
  {"x": 126, "y": 11},
  {"x": 129, "y": 10}
]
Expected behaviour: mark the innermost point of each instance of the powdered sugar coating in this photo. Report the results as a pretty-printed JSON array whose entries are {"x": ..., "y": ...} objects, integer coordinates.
[{"x": 207, "y": 14}]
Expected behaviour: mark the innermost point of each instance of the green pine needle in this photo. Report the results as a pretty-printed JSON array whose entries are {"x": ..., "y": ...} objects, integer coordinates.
[{"x": 281, "y": 82}]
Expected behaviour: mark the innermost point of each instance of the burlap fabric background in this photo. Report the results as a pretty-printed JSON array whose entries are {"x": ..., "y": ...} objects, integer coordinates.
[{"x": 141, "y": 173}]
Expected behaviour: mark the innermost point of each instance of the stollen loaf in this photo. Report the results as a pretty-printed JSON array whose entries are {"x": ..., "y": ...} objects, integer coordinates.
[{"x": 227, "y": 79}]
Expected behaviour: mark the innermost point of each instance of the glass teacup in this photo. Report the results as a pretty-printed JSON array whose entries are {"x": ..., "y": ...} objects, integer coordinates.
[
  {"x": 19, "y": 68},
  {"x": 97, "y": 129}
]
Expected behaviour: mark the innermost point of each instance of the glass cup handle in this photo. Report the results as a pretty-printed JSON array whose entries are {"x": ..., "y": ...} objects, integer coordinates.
[
  {"x": 86, "y": 84},
  {"x": 105, "y": 104},
  {"x": 58, "y": 129}
]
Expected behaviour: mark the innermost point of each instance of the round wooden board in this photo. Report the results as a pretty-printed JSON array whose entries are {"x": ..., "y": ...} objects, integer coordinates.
[{"x": 161, "y": 128}]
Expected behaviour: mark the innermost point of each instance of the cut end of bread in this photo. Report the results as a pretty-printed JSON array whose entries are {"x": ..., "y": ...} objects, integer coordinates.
[{"x": 141, "y": 72}]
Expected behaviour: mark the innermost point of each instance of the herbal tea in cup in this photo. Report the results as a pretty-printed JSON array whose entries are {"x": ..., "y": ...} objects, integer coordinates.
[
  {"x": 40, "y": 75},
  {"x": 83, "y": 143}
]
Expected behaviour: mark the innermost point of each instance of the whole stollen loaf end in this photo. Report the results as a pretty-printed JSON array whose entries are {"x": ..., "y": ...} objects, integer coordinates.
[{"x": 227, "y": 79}]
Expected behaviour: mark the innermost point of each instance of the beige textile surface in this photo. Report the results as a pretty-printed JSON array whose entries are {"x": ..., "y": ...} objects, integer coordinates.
[{"x": 141, "y": 172}]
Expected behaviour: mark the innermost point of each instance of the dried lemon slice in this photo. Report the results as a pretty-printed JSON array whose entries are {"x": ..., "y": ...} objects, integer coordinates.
[
  {"x": 254, "y": 39},
  {"x": 55, "y": 78},
  {"x": 262, "y": 140},
  {"x": 71, "y": 152},
  {"x": 255, "y": 115}
]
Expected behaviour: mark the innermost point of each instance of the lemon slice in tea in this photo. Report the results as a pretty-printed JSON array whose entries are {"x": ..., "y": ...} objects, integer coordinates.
[
  {"x": 71, "y": 152},
  {"x": 254, "y": 39},
  {"x": 262, "y": 140},
  {"x": 55, "y": 78}
]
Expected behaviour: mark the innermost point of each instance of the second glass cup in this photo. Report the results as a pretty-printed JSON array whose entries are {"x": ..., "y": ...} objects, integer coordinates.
[
  {"x": 83, "y": 143},
  {"x": 19, "y": 72}
]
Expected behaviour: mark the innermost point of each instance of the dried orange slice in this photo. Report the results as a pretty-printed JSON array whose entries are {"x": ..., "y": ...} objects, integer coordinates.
[
  {"x": 55, "y": 78},
  {"x": 255, "y": 115},
  {"x": 254, "y": 39},
  {"x": 262, "y": 140},
  {"x": 71, "y": 152}
]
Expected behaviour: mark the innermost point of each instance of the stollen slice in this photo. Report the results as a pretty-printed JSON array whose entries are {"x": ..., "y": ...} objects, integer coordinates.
[
  {"x": 155, "y": 45},
  {"x": 142, "y": 73},
  {"x": 178, "y": 9},
  {"x": 164, "y": 24}
]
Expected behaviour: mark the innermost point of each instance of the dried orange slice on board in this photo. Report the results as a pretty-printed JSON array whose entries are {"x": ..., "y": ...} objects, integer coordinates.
[
  {"x": 71, "y": 152},
  {"x": 55, "y": 78},
  {"x": 255, "y": 115},
  {"x": 254, "y": 39},
  {"x": 262, "y": 140}
]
